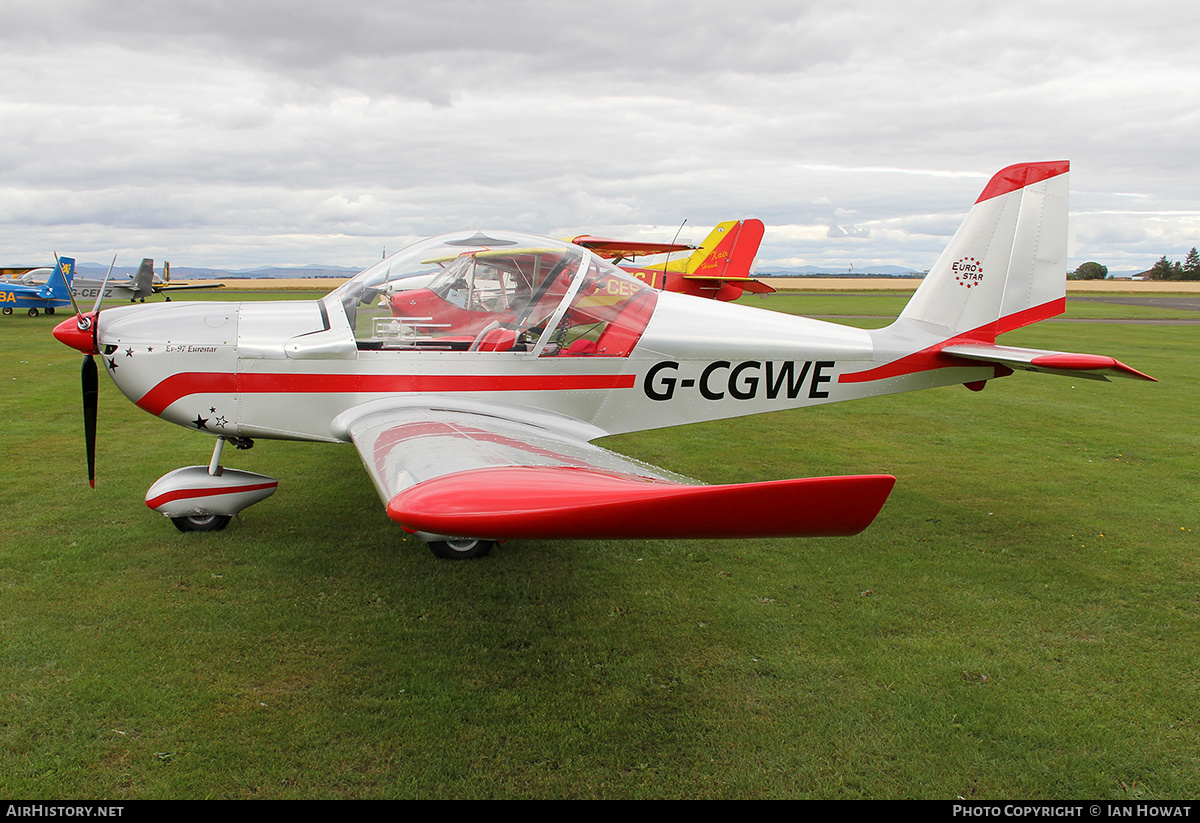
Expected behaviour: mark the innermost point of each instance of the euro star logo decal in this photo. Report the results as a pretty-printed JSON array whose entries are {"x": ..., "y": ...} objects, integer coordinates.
[{"x": 968, "y": 272}]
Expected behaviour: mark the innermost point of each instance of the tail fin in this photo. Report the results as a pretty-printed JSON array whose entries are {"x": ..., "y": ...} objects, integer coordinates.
[
  {"x": 58, "y": 285},
  {"x": 1006, "y": 265},
  {"x": 728, "y": 251},
  {"x": 719, "y": 268},
  {"x": 143, "y": 281}
]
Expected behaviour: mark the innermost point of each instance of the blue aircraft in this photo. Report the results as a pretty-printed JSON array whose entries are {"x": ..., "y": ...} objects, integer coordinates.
[{"x": 52, "y": 294}]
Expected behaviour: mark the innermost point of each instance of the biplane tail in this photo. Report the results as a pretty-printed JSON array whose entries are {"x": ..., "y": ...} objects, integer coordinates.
[
  {"x": 719, "y": 268},
  {"x": 728, "y": 251},
  {"x": 1005, "y": 267}
]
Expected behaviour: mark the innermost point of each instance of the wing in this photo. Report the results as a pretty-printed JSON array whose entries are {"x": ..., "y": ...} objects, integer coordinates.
[
  {"x": 621, "y": 249},
  {"x": 448, "y": 469}
]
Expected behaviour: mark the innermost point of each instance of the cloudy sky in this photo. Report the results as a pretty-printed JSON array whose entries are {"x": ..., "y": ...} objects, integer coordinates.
[{"x": 245, "y": 132}]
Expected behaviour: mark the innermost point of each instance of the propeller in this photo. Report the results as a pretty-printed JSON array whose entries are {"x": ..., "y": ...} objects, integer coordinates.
[
  {"x": 91, "y": 391},
  {"x": 83, "y": 337}
]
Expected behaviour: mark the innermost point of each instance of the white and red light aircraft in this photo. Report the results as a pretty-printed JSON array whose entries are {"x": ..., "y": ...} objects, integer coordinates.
[{"x": 478, "y": 432}]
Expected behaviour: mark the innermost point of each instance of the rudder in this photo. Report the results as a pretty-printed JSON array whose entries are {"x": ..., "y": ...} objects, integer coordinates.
[
  {"x": 143, "y": 281},
  {"x": 1006, "y": 265},
  {"x": 58, "y": 285}
]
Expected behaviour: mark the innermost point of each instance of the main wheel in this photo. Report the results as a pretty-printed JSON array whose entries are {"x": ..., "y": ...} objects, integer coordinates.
[
  {"x": 463, "y": 548},
  {"x": 8, "y": 309},
  {"x": 201, "y": 523},
  {"x": 33, "y": 312},
  {"x": 50, "y": 310}
]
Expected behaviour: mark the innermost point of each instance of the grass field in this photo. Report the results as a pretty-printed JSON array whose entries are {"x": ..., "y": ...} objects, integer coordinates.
[{"x": 1022, "y": 621}]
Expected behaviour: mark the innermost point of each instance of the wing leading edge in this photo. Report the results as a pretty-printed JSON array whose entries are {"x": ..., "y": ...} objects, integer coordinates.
[{"x": 455, "y": 472}]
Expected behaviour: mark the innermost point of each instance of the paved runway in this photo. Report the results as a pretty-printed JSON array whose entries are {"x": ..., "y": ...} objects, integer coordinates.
[{"x": 1188, "y": 303}]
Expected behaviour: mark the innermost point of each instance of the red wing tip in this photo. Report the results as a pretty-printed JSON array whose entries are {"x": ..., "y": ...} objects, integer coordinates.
[
  {"x": 1087, "y": 362},
  {"x": 573, "y": 503}
]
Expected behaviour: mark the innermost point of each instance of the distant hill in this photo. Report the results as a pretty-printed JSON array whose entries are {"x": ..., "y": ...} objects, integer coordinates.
[
  {"x": 318, "y": 271},
  {"x": 195, "y": 273},
  {"x": 818, "y": 271}
]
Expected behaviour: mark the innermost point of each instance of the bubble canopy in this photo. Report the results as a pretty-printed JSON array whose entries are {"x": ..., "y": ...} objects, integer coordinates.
[{"x": 504, "y": 291}]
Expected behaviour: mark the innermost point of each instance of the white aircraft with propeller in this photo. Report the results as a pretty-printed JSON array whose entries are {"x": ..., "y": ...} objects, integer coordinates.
[{"x": 477, "y": 425}]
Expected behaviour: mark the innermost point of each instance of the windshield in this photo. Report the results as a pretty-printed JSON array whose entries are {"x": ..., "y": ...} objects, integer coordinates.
[{"x": 497, "y": 291}]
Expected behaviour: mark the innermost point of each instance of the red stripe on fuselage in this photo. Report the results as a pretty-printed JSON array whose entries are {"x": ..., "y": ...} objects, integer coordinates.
[
  {"x": 932, "y": 357},
  {"x": 181, "y": 385},
  {"x": 176, "y": 386}
]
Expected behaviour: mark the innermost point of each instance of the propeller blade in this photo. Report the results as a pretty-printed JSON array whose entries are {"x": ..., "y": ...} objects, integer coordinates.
[
  {"x": 91, "y": 389},
  {"x": 103, "y": 286}
]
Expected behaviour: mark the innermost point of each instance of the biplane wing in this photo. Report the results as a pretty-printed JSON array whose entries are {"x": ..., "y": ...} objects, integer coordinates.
[
  {"x": 718, "y": 269},
  {"x": 444, "y": 467},
  {"x": 618, "y": 250},
  {"x": 145, "y": 282}
]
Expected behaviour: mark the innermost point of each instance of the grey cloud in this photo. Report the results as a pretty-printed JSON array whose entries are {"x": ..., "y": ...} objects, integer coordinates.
[{"x": 275, "y": 127}]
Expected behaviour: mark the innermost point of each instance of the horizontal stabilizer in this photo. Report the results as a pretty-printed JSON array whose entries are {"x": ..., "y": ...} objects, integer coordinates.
[
  {"x": 543, "y": 502},
  {"x": 1090, "y": 366}
]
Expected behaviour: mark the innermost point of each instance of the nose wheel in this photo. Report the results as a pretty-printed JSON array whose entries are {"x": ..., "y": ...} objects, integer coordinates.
[
  {"x": 201, "y": 523},
  {"x": 205, "y": 498}
]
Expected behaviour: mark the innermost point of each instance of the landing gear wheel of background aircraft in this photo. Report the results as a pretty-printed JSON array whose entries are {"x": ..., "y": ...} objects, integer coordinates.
[
  {"x": 8, "y": 309},
  {"x": 463, "y": 548},
  {"x": 202, "y": 523},
  {"x": 33, "y": 312}
]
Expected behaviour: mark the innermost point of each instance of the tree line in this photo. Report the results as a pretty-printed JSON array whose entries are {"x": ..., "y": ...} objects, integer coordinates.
[{"x": 1164, "y": 269}]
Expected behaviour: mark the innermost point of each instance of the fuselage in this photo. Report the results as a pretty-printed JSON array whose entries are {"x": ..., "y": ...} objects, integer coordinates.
[
  {"x": 505, "y": 321},
  {"x": 89, "y": 289},
  {"x": 16, "y": 296},
  {"x": 288, "y": 369}
]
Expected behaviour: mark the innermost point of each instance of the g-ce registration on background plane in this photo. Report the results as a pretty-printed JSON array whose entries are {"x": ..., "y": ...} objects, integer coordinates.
[{"x": 475, "y": 431}]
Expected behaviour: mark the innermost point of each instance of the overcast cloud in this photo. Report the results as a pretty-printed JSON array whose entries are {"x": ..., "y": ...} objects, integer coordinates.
[{"x": 238, "y": 133}]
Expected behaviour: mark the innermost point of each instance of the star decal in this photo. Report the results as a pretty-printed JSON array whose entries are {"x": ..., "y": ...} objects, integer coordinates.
[
  {"x": 968, "y": 272},
  {"x": 129, "y": 352},
  {"x": 221, "y": 421},
  {"x": 200, "y": 422},
  {"x": 112, "y": 363}
]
